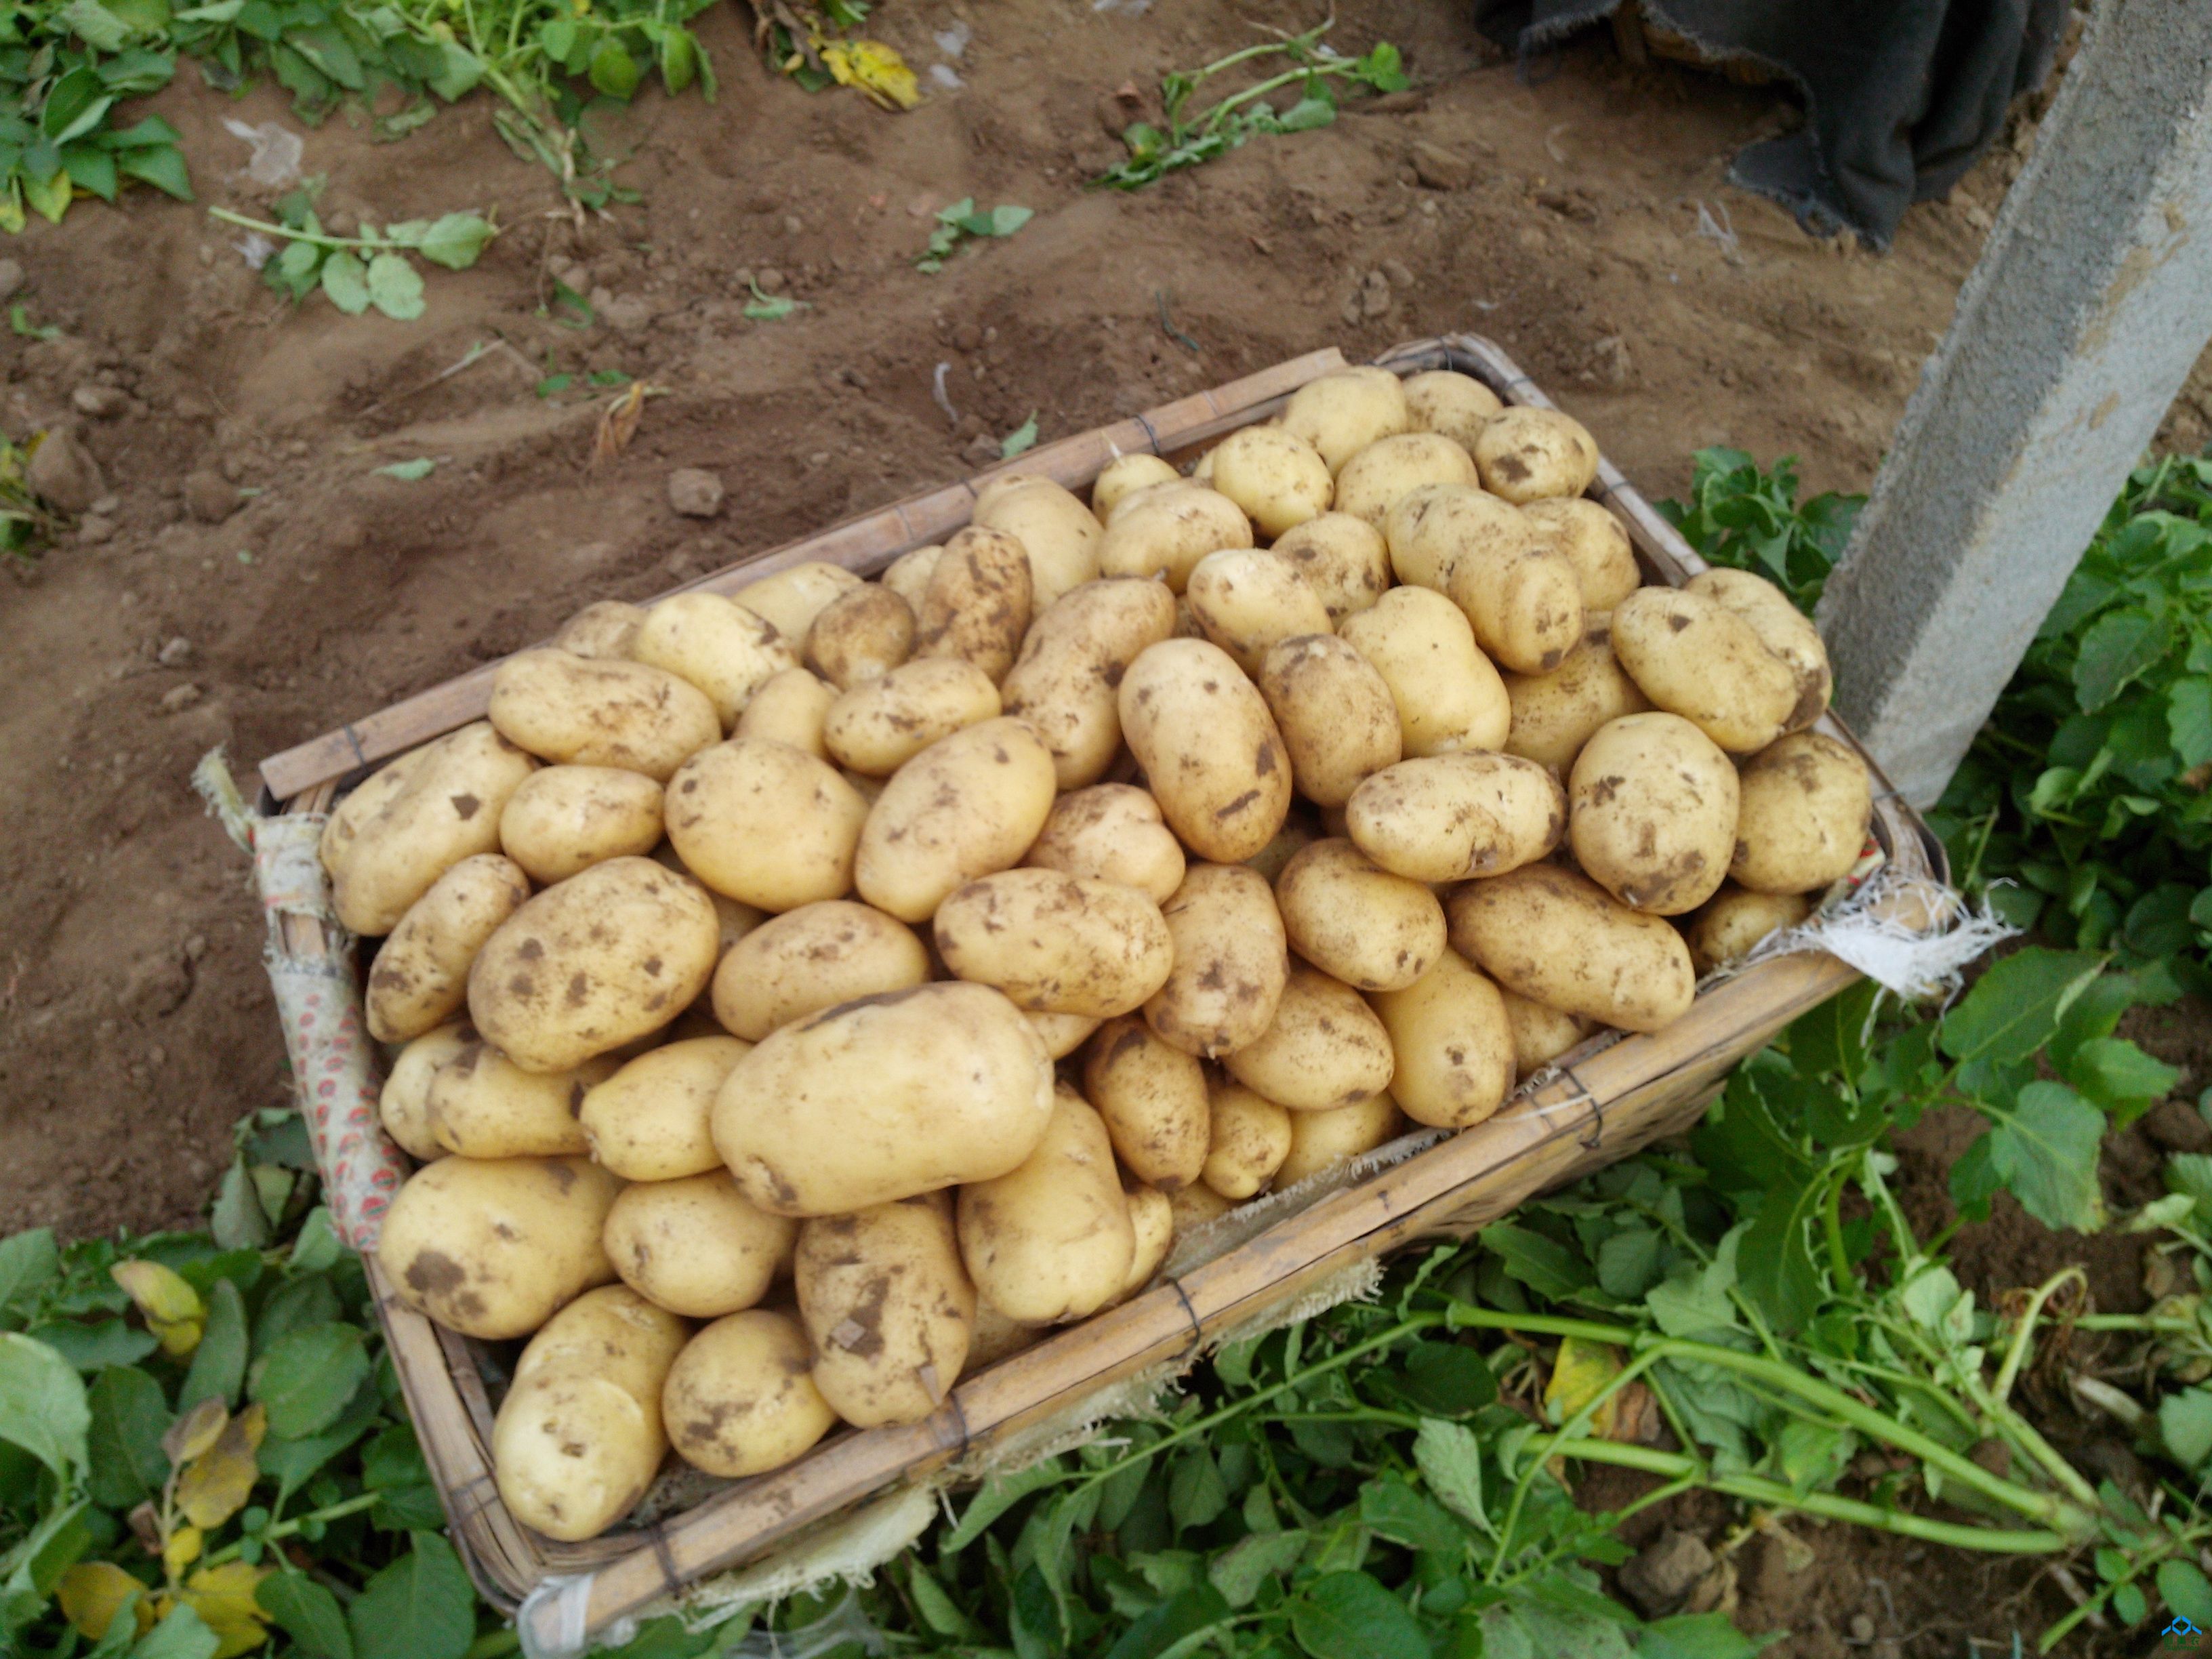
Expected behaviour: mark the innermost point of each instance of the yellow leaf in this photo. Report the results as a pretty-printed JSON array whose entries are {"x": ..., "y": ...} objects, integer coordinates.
[
  {"x": 1582, "y": 1371},
  {"x": 216, "y": 1485},
  {"x": 195, "y": 1431},
  {"x": 92, "y": 1592},
  {"x": 223, "y": 1596},
  {"x": 875, "y": 69},
  {"x": 174, "y": 1310},
  {"x": 52, "y": 197},
  {"x": 11, "y": 209},
  {"x": 182, "y": 1550}
]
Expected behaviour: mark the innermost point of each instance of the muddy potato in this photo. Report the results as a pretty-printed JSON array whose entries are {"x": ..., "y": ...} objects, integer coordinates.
[
  {"x": 1249, "y": 1137},
  {"x": 490, "y": 1247},
  {"x": 1231, "y": 962},
  {"x": 1152, "y": 1226},
  {"x": 653, "y": 1120},
  {"x": 1651, "y": 812},
  {"x": 888, "y": 1306},
  {"x": 1063, "y": 683},
  {"x": 740, "y": 1398},
  {"x": 579, "y": 711},
  {"x": 1694, "y": 657},
  {"x": 695, "y": 1245},
  {"x": 361, "y": 803},
  {"x": 765, "y": 824},
  {"x": 861, "y": 636},
  {"x": 1448, "y": 696},
  {"x": 1452, "y": 1043},
  {"x": 445, "y": 808},
  {"x": 1167, "y": 533},
  {"x": 715, "y": 644},
  {"x": 481, "y": 1104},
  {"x": 1246, "y": 601},
  {"x": 978, "y": 603},
  {"x": 1340, "y": 414},
  {"x": 1541, "y": 1034},
  {"x": 1807, "y": 802},
  {"x": 1457, "y": 405},
  {"x": 1527, "y": 454},
  {"x": 421, "y": 974},
  {"x": 1051, "y": 1239},
  {"x": 791, "y": 599},
  {"x": 1151, "y": 1096},
  {"x": 1452, "y": 817},
  {"x": 881, "y": 1098},
  {"x": 1527, "y": 608},
  {"x": 1554, "y": 715},
  {"x": 791, "y": 708},
  {"x": 908, "y": 574},
  {"x": 877, "y": 727},
  {"x": 810, "y": 959},
  {"x": 1556, "y": 937},
  {"x": 1321, "y": 1140},
  {"x": 968, "y": 805},
  {"x": 1379, "y": 476},
  {"x": 1209, "y": 747},
  {"x": 1595, "y": 543},
  {"x": 1275, "y": 476},
  {"x": 1339, "y": 721},
  {"x": 1058, "y": 531},
  {"x": 1115, "y": 832},
  {"x": 1301, "y": 829},
  {"x": 1735, "y": 919},
  {"x": 1123, "y": 476},
  {"x": 605, "y": 628},
  {"x": 562, "y": 819},
  {"x": 1324, "y": 1048},
  {"x": 1431, "y": 530},
  {"x": 1061, "y": 1034},
  {"x": 1201, "y": 478},
  {"x": 1196, "y": 1205},
  {"x": 1343, "y": 559},
  {"x": 1355, "y": 920},
  {"x": 1784, "y": 630},
  {"x": 403, "y": 1105},
  {"x": 1054, "y": 943}
]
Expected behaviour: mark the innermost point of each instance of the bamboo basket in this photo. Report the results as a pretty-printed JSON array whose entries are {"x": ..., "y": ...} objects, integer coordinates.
[{"x": 1607, "y": 1099}]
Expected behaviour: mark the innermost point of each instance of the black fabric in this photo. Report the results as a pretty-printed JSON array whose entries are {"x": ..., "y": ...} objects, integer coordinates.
[{"x": 1901, "y": 96}]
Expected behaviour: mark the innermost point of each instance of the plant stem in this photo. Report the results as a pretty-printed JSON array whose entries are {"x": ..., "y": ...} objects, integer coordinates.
[
  {"x": 282, "y": 1529},
  {"x": 319, "y": 238}
]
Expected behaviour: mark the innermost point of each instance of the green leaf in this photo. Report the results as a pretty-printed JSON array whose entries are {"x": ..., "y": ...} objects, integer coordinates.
[
  {"x": 997, "y": 1497},
  {"x": 613, "y": 71},
  {"x": 219, "y": 1363},
  {"x": 1239, "y": 1571},
  {"x": 90, "y": 1347},
  {"x": 237, "y": 1220},
  {"x": 1007, "y": 219},
  {"x": 2120, "y": 647},
  {"x": 458, "y": 71},
  {"x": 2113, "y": 1071},
  {"x": 2186, "y": 1592},
  {"x": 1450, "y": 1458},
  {"x": 2014, "y": 1008},
  {"x": 1022, "y": 437},
  {"x": 421, "y": 1606},
  {"x": 182, "y": 1635},
  {"x": 2192, "y": 1173},
  {"x": 49, "y": 197},
  {"x": 91, "y": 170},
  {"x": 1694, "y": 1301},
  {"x": 2189, "y": 719},
  {"x": 679, "y": 59},
  {"x": 410, "y": 471},
  {"x": 305, "y": 1380},
  {"x": 1349, "y": 1615},
  {"x": 1169, "y": 1627},
  {"x": 28, "y": 1263},
  {"x": 1447, "y": 1379},
  {"x": 1196, "y": 1494},
  {"x": 345, "y": 279},
  {"x": 394, "y": 287},
  {"x": 42, "y": 1404},
  {"x": 1697, "y": 1636},
  {"x": 1545, "y": 1266},
  {"x": 1391, "y": 1509},
  {"x": 457, "y": 241},
  {"x": 78, "y": 101},
  {"x": 318, "y": 1245},
  {"x": 123, "y": 1442},
  {"x": 2045, "y": 1149},
  {"x": 292, "y": 1463},
  {"x": 93, "y": 24},
  {"x": 306, "y": 1613},
  {"x": 2185, "y": 1422}
]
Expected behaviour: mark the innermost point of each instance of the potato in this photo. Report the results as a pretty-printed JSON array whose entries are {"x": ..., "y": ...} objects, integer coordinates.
[
  {"x": 1341, "y": 413},
  {"x": 1051, "y": 1239},
  {"x": 888, "y": 1306},
  {"x": 1151, "y": 1224},
  {"x": 1452, "y": 817},
  {"x": 716, "y": 645},
  {"x": 740, "y": 1399},
  {"x": 1558, "y": 937},
  {"x": 1062, "y": 1034},
  {"x": 1554, "y": 715},
  {"x": 1595, "y": 543},
  {"x": 490, "y": 1247},
  {"x": 361, "y": 803},
  {"x": 1343, "y": 559},
  {"x": 1541, "y": 1034},
  {"x": 1527, "y": 453},
  {"x": 1246, "y": 601},
  {"x": 1231, "y": 962},
  {"x": 732, "y": 921},
  {"x": 606, "y": 627},
  {"x": 967, "y": 806},
  {"x": 1301, "y": 829},
  {"x": 1651, "y": 812},
  {"x": 878, "y": 726},
  {"x": 908, "y": 574},
  {"x": 1694, "y": 657},
  {"x": 1733, "y": 922},
  {"x": 1448, "y": 696},
  {"x": 1275, "y": 476},
  {"x": 608, "y": 955},
  {"x": 1526, "y": 609},
  {"x": 765, "y": 824},
  {"x": 562, "y": 819},
  {"x": 1209, "y": 748},
  {"x": 582, "y": 711},
  {"x": 1355, "y": 920},
  {"x": 1115, "y": 832},
  {"x": 1429, "y": 530},
  {"x": 790, "y": 708},
  {"x": 1123, "y": 476},
  {"x": 1168, "y": 533},
  {"x": 1783, "y": 629},
  {"x": 1325, "y": 1046},
  {"x": 403, "y": 1107},
  {"x": 1054, "y": 943},
  {"x": 653, "y": 1120},
  {"x": 421, "y": 974},
  {"x": 1807, "y": 804},
  {"x": 1389, "y": 469},
  {"x": 481, "y": 1104},
  {"x": 1063, "y": 683},
  {"x": 861, "y": 636},
  {"x": 977, "y": 605},
  {"x": 1057, "y": 531},
  {"x": 810, "y": 959},
  {"x": 579, "y": 1438},
  {"x": 1453, "y": 1044},
  {"x": 884, "y": 1097},
  {"x": 1195, "y": 1206},
  {"x": 792, "y": 599},
  {"x": 445, "y": 808},
  {"x": 1201, "y": 478},
  {"x": 1321, "y": 1140},
  {"x": 1151, "y": 1096},
  {"x": 1339, "y": 720},
  {"x": 1249, "y": 1137},
  {"x": 695, "y": 1245},
  {"x": 1457, "y": 405}
]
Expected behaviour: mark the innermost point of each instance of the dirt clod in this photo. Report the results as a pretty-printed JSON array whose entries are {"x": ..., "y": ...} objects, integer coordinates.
[
  {"x": 1662, "y": 1573},
  {"x": 694, "y": 493},
  {"x": 2178, "y": 1126},
  {"x": 179, "y": 698},
  {"x": 1440, "y": 168},
  {"x": 102, "y": 403},
  {"x": 174, "y": 651},
  {"x": 64, "y": 473},
  {"x": 210, "y": 497}
]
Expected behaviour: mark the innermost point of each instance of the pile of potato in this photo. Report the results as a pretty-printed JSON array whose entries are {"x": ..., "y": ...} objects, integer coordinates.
[{"x": 809, "y": 995}]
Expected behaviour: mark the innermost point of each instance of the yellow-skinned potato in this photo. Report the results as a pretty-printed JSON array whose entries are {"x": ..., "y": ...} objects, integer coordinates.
[
  {"x": 888, "y": 1306},
  {"x": 1125, "y": 475},
  {"x": 445, "y": 808},
  {"x": 1694, "y": 657},
  {"x": 1452, "y": 1043},
  {"x": 1051, "y": 1239},
  {"x": 1355, "y": 920},
  {"x": 1054, "y": 943},
  {"x": 811, "y": 958},
  {"x": 1325, "y": 1046},
  {"x": 482, "y": 1104},
  {"x": 562, "y": 819},
  {"x": 695, "y": 1245},
  {"x": 1541, "y": 1034},
  {"x": 361, "y": 803},
  {"x": 421, "y": 974},
  {"x": 978, "y": 603},
  {"x": 490, "y": 1247},
  {"x": 1246, "y": 601},
  {"x": 884, "y": 1097},
  {"x": 1201, "y": 478},
  {"x": 1373, "y": 482},
  {"x": 580, "y": 711},
  {"x": 1343, "y": 559},
  {"x": 1062, "y": 1034},
  {"x": 1807, "y": 802},
  {"x": 1339, "y": 720},
  {"x": 1209, "y": 748},
  {"x": 861, "y": 636},
  {"x": 1651, "y": 812},
  {"x": 1457, "y": 405},
  {"x": 765, "y": 824},
  {"x": 1274, "y": 475},
  {"x": 1554, "y": 715},
  {"x": 653, "y": 1120},
  {"x": 966, "y": 806},
  {"x": 1321, "y": 1140},
  {"x": 1249, "y": 1136},
  {"x": 1448, "y": 696},
  {"x": 1340, "y": 414},
  {"x": 715, "y": 644},
  {"x": 1452, "y": 817},
  {"x": 732, "y": 921},
  {"x": 792, "y": 599},
  {"x": 1432, "y": 530},
  {"x": 1151, "y": 1096},
  {"x": 1231, "y": 962},
  {"x": 605, "y": 628},
  {"x": 403, "y": 1107},
  {"x": 1195, "y": 1206},
  {"x": 740, "y": 1398},
  {"x": 877, "y": 727},
  {"x": 1054, "y": 528},
  {"x": 1151, "y": 1224},
  {"x": 908, "y": 574},
  {"x": 1595, "y": 543},
  {"x": 791, "y": 708},
  {"x": 1784, "y": 629},
  {"x": 605, "y": 957},
  {"x": 1063, "y": 683},
  {"x": 1734, "y": 921},
  {"x": 1115, "y": 832},
  {"x": 1527, "y": 454},
  {"x": 1527, "y": 608},
  {"x": 1301, "y": 829},
  {"x": 579, "y": 1438},
  {"x": 1167, "y": 533},
  {"x": 1004, "y": 483},
  {"x": 1556, "y": 937}
]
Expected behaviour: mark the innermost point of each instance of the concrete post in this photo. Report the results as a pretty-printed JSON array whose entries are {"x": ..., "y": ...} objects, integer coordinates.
[{"x": 2083, "y": 318}]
